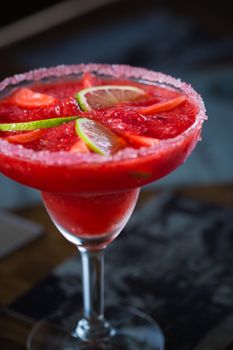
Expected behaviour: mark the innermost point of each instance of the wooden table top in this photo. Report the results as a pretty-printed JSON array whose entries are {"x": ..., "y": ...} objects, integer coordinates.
[{"x": 17, "y": 271}]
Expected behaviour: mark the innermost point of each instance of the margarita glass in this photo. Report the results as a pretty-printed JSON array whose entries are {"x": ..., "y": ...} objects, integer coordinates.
[{"x": 90, "y": 198}]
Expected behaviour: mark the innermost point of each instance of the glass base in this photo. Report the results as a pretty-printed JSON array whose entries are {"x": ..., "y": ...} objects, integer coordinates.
[{"x": 131, "y": 330}]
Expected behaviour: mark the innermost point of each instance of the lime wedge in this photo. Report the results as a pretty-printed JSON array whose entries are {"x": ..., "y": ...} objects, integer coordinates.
[
  {"x": 107, "y": 96},
  {"x": 36, "y": 124},
  {"x": 98, "y": 138}
]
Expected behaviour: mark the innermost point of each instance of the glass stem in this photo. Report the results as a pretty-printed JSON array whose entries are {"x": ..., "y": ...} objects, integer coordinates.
[{"x": 93, "y": 325}]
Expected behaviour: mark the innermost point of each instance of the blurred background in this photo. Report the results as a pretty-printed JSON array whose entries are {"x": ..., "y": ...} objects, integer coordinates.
[{"x": 190, "y": 40}]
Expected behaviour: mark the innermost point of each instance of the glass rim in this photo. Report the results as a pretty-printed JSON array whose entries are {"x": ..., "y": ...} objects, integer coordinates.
[{"x": 116, "y": 71}]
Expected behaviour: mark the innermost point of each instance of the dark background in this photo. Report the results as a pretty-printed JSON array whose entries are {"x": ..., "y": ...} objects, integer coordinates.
[{"x": 205, "y": 23}]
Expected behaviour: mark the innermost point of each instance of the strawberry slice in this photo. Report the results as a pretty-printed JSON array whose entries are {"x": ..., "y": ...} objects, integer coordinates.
[
  {"x": 26, "y": 137},
  {"x": 140, "y": 141},
  {"x": 80, "y": 147},
  {"x": 27, "y": 98},
  {"x": 89, "y": 80},
  {"x": 163, "y": 106}
]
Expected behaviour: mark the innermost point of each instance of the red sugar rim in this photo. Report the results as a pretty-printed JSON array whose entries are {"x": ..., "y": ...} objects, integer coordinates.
[{"x": 114, "y": 71}]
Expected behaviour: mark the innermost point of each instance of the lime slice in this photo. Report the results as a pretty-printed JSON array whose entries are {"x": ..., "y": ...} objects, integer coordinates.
[
  {"x": 107, "y": 96},
  {"x": 98, "y": 138},
  {"x": 37, "y": 124}
]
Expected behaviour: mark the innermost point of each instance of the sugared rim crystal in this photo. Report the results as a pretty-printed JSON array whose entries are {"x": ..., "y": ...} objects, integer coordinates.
[{"x": 115, "y": 71}]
